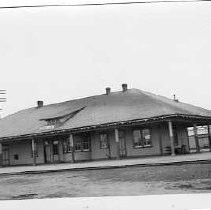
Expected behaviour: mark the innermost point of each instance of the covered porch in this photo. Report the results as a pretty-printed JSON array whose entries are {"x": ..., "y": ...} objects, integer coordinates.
[
  {"x": 152, "y": 137},
  {"x": 187, "y": 122}
]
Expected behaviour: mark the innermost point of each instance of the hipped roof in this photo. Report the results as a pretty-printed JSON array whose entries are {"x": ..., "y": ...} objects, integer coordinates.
[{"x": 132, "y": 104}]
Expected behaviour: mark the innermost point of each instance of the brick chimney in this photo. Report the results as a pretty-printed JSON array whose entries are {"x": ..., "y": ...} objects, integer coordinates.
[
  {"x": 40, "y": 104},
  {"x": 124, "y": 87},
  {"x": 108, "y": 90}
]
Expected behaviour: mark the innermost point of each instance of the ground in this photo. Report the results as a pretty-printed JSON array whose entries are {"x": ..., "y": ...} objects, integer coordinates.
[{"x": 133, "y": 180}]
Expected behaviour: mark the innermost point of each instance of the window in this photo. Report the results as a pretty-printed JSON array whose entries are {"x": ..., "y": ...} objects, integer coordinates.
[
  {"x": 85, "y": 144},
  {"x": 142, "y": 138},
  {"x": 52, "y": 122},
  {"x": 16, "y": 157},
  {"x": 82, "y": 143},
  {"x": 66, "y": 146},
  {"x": 55, "y": 147},
  {"x": 78, "y": 146},
  {"x": 146, "y": 137},
  {"x": 103, "y": 141}
]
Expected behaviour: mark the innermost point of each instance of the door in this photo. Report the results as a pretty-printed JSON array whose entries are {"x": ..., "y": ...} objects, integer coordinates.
[
  {"x": 55, "y": 151},
  {"x": 5, "y": 155},
  {"x": 47, "y": 152},
  {"x": 122, "y": 144}
]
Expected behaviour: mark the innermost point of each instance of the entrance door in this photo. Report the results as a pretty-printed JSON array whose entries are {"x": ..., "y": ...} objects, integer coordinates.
[
  {"x": 47, "y": 152},
  {"x": 5, "y": 155},
  {"x": 122, "y": 144},
  {"x": 55, "y": 151}
]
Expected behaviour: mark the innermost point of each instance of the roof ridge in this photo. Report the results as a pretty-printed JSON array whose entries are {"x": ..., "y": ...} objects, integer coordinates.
[
  {"x": 63, "y": 102},
  {"x": 82, "y": 98}
]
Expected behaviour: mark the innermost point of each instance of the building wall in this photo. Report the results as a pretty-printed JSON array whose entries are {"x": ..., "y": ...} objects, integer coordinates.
[
  {"x": 67, "y": 157},
  {"x": 98, "y": 153},
  {"x": 153, "y": 150},
  {"x": 183, "y": 137},
  {"x": 79, "y": 156},
  {"x": 40, "y": 150},
  {"x": 24, "y": 152},
  {"x": 61, "y": 154},
  {"x": 165, "y": 140},
  {"x": 113, "y": 144},
  {"x": 159, "y": 136}
]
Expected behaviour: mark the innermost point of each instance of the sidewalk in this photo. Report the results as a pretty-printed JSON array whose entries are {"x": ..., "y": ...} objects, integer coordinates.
[{"x": 147, "y": 161}]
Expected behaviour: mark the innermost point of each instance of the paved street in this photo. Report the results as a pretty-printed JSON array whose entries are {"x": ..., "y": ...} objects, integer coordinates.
[{"x": 169, "y": 179}]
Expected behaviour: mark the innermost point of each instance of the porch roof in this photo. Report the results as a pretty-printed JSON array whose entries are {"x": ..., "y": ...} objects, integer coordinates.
[{"x": 117, "y": 108}]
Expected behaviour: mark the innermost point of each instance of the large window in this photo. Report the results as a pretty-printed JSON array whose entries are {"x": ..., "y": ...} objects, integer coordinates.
[
  {"x": 66, "y": 146},
  {"x": 82, "y": 143},
  {"x": 142, "y": 138},
  {"x": 103, "y": 141}
]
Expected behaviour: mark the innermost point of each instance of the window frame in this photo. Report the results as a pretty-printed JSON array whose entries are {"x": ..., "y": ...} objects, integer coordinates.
[
  {"x": 144, "y": 145},
  {"x": 86, "y": 141},
  {"x": 66, "y": 147},
  {"x": 80, "y": 141},
  {"x": 102, "y": 142}
]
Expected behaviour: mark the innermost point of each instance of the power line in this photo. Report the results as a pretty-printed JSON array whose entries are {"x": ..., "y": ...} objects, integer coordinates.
[
  {"x": 2, "y": 99},
  {"x": 100, "y": 4}
]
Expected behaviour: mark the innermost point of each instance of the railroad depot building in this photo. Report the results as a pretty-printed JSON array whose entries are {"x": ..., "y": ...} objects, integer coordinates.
[{"x": 124, "y": 124}]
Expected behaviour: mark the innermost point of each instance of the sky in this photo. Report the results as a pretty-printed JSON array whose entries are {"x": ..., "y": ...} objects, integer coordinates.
[{"x": 56, "y": 54}]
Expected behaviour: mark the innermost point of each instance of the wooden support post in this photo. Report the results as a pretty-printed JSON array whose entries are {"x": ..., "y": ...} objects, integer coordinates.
[
  {"x": 188, "y": 140},
  {"x": 171, "y": 136},
  {"x": 160, "y": 139},
  {"x": 196, "y": 138},
  {"x": 209, "y": 136},
  {"x": 34, "y": 151},
  {"x": 1, "y": 155},
  {"x": 109, "y": 146},
  {"x": 117, "y": 142},
  {"x": 60, "y": 150},
  {"x": 71, "y": 142}
]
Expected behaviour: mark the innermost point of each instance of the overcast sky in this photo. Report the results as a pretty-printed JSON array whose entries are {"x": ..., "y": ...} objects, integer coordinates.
[{"x": 57, "y": 54}]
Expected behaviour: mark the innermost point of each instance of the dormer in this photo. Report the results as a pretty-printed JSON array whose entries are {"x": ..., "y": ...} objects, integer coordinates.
[{"x": 56, "y": 121}]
